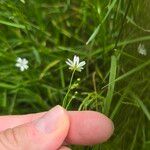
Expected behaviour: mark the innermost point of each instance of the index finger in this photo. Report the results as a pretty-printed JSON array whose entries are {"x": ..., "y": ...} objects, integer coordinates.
[{"x": 86, "y": 127}]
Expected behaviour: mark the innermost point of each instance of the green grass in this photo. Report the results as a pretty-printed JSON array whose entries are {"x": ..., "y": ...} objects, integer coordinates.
[{"x": 106, "y": 34}]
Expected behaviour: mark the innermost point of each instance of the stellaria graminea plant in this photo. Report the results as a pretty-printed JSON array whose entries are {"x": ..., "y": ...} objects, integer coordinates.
[{"x": 74, "y": 65}]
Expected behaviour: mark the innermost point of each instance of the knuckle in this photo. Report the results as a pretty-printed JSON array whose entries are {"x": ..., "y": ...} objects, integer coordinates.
[
  {"x": 19, "y": 138},
  {"x": 8, "y": 140}
]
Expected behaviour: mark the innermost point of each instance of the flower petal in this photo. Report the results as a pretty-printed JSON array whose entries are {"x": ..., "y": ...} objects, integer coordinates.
[
  {"x": 17, "y": 65},
  {"x": 26, "y": 67},
  {"x": 82, "y": 63},
  {"x": 76, "y": 60},
  {"x": 19, "y": 60},
  {"x": 22, "y": 68},
  {"x": 69, "y": 62},
  {"x": 24, "y": 61}
]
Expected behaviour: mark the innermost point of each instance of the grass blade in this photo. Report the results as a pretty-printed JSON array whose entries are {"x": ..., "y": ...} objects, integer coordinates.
[
  {"x": 93, "y": 35},
  {"x": 110, "y": 7},
  {"x": 107, "y": 101},
  {"x": 50, "y": 65},
  {"x": 12, "y": 24},
  {"x": 7, "y": 86},
  {"x": 129, "y": 73},
  {"x": 143, "y": 107}
]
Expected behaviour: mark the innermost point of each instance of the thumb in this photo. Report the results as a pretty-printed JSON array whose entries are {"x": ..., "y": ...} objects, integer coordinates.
[{"x": 45, "y": 133}]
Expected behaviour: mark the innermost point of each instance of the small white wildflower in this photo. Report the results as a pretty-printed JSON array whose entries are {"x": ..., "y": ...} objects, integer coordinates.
[
  {"x": 78, "y": 79},
  {"x": 142, "y": 50},
  {"x": 76, "y": 92},
  {"x": 22, "y": 63},
  {"x": 75, "y": 64}
]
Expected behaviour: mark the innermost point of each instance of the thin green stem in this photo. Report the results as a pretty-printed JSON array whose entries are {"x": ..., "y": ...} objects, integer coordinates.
[
  {"x": 122, "y": 24},
  {"x": 69, "y": 89},
  {"x": 69, "y": 102}
]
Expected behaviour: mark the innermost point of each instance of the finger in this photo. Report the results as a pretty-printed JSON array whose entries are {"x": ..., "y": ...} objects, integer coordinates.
[
  {"x": 86, "y": 128},
  {"x": 46, "y": 132}
]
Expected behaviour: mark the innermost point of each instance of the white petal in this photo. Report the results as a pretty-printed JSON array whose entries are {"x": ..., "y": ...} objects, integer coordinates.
[
  {"x": 76, "y": 60},
  {"x": 26, "y": 67},
  {"x": 68, "y": 63},
  {"x": 18, "y": 65},
  {"x": 82, "y": 63},
  {"x": 74, "y": 57},
  {"x": 70, "y": 60},
  {"x": 24, "y": 61},
  {"x": 19, "y": 60},
  {"x": 22, "y": 68},
  {"x": 143, "y": 52}
]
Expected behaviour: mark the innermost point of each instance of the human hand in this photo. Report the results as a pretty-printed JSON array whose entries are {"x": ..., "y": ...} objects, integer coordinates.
[{"x": 53, "y": 129}]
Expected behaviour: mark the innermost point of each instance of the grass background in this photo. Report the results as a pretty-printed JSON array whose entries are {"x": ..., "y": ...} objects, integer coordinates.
[{"x": 104, "y": 33}]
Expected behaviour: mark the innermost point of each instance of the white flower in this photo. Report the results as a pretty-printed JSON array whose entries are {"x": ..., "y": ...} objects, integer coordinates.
[
  {"x": 78, "y": 79},
  {"x": 22, "y": 63},
  {"x": 76, "y": 92},
  {"x": 142, "y": 50},
  {"x": 75, "y": 64}
]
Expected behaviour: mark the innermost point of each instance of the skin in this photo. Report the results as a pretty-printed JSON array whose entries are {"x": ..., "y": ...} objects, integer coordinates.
[{"x": 85, "y": 127}]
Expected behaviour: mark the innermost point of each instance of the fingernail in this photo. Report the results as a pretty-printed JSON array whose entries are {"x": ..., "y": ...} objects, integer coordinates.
[
  {"x": 64, "y": 148},
  {"x": 51, "y": 120},
  {"x": 113, "y": 127}
]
